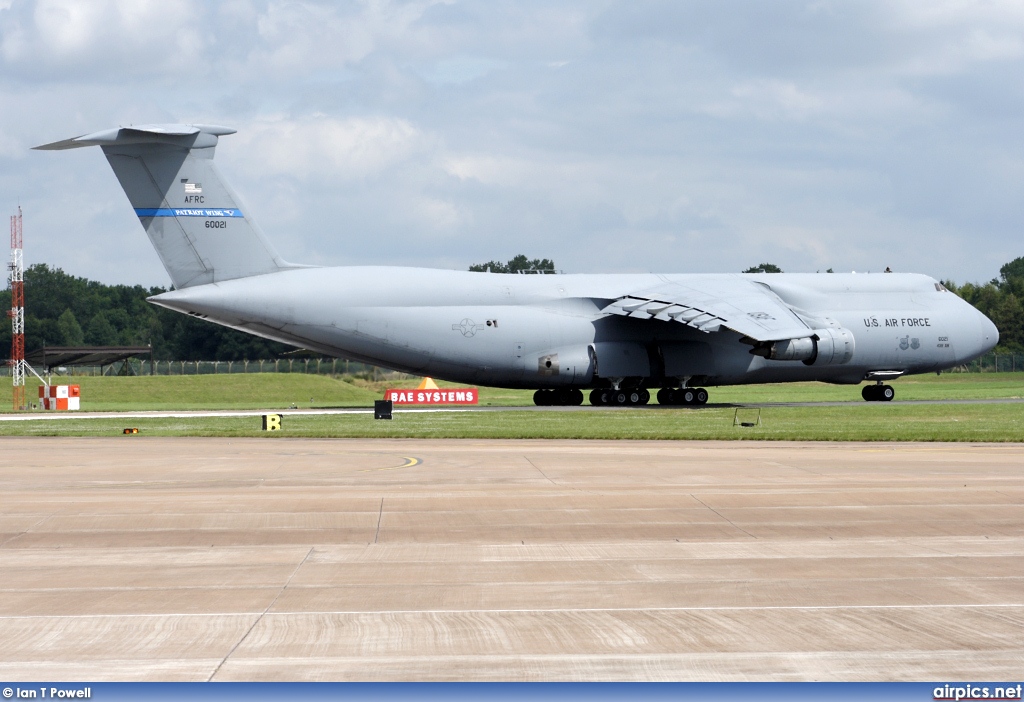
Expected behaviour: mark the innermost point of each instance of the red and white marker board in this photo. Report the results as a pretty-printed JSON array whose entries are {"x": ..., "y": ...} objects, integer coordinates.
[{"x": 59, "y": 397}]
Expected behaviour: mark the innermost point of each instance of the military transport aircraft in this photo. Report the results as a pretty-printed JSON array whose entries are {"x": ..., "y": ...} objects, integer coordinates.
[{"x": 619, "y": 336}]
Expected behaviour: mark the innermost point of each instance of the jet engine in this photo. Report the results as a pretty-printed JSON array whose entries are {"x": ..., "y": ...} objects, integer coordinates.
[
  {"x": 565, "y": 366},
  {"x": 824, "y": 347}
]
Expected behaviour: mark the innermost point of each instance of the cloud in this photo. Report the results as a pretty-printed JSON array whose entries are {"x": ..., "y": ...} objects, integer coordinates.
[
  {"x": 69, "y": 39},
  {"x": 297, "y": 37},
  {"x": 461, "y": 69},
  {"x": 957, "y": 13},
  {"x": 609, "y": 135},
  {"x": 318, "y": 147}
]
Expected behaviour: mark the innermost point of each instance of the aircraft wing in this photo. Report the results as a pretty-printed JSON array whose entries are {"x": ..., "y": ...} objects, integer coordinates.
[{"x": 740, "y": 304}]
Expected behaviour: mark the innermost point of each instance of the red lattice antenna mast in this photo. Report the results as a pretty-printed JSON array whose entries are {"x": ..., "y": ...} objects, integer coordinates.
[{"x": 17, "y": 313}]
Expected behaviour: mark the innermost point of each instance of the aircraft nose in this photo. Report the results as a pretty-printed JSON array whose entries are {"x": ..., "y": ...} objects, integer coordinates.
[{"x": 989, "y": 333}]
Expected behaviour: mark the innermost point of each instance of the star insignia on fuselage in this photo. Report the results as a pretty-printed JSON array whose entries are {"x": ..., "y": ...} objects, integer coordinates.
[{"x": 468, "y": 327}]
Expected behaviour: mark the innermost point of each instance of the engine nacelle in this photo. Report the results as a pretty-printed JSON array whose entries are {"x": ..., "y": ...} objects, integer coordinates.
[
  {"x": 825, "y": 347},
  {"x": 792, "y": 350},
  {"x": 835, "y": 347},
  {"x": 564, "y": 366}
]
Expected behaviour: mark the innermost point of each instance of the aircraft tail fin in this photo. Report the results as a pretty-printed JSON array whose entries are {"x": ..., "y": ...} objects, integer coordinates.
[{"x": 192, "y": 217}]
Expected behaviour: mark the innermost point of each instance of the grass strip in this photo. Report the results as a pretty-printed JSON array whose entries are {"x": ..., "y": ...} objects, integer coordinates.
[
  {"x": 867, "y": 422},
  {"x": 285, "y": 390}
]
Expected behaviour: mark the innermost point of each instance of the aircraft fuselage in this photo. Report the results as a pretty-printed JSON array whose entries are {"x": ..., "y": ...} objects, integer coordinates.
[{"x": 549, "y": 331}]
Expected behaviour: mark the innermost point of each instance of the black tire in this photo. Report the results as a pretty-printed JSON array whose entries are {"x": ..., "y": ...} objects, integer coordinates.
[
  {"x": 645, "y": 396},
  {"x": 620, "y": 398},
  {"x": 886, "y": 393},
  {"x": 687, "y": 396},
  {"x": 870, "y": 393},
  {"x": 575, "y": 397},
  {"x": 665, "y": 396},
  {"x": 595, "y": 398},
  {"x": 702, "y": 396},
  {"x": 543, "y": 398},
  {"x": 633, "y": 397}
]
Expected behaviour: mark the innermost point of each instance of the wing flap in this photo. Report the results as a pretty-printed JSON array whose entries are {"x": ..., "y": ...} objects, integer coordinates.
[{"x": 742, "y": 305}]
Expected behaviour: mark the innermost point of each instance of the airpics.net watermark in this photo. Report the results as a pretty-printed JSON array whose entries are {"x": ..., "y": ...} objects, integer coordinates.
[{"x": 969, "y": 692}]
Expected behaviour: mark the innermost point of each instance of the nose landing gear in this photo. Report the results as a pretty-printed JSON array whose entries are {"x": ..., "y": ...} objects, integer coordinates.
[{"x": 878, "y": 393}]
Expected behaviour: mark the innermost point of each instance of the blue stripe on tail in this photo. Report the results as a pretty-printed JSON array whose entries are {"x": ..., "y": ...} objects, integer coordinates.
[{"x": 167, "y": 212}]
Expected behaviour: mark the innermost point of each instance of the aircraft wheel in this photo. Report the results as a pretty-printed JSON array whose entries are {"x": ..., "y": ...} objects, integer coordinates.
[
  {"x": 876, "y": 393},
  {"x": 665, "y": 396},
  {"x": 576, "y": 397},
  {"x": 687, "y": 396},
  {"x": 702, "y": 396},
  {"x": 886, "y": 393},
  {"x": 645, "y": 396},
  {"x": 633, "y": 397},
  {"x": 598, "y": 397},
  {"x": 542, "y": 398},
  {"x": 620, "y": 398}
]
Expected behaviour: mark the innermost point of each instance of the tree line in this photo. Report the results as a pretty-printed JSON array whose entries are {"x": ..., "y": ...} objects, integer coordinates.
[
  {"x": 65, "y": 310},
  {"x": 1001, "y": 300},
  {"x": 518, "y": 264}
]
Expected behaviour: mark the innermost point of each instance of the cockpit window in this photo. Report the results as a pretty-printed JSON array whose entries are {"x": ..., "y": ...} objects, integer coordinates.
[{"x": 940, "y": 287}]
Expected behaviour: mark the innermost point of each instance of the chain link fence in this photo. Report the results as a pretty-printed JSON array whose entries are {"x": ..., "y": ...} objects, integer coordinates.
[
  {"x": 989, "y": 363},
  {"x": 311, "y": 366},
  {"x": 994, "y": 363}
]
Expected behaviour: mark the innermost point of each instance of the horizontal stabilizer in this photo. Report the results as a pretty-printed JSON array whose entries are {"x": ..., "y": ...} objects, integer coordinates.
[{"x": 190, "y": 135}]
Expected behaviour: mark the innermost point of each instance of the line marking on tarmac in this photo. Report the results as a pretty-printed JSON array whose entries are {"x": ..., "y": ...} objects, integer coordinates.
[
  {"x": 263, "y": 613},
  {"x": 410, "y": 461},
  {"x": 185, "y": 414},
  {"x": 573, "y": 610},
  {"x": 298, "y": 412}
]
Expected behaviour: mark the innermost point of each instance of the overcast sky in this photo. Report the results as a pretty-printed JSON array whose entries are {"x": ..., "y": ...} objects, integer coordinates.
[{"x": 674, "y": 136}]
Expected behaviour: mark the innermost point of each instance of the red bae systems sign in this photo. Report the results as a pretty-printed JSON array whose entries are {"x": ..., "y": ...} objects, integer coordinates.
[{"x": 447, "y": 396}]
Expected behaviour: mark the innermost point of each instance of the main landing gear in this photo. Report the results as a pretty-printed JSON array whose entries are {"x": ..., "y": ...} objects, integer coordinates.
[
  {"x": 625, "y": 397},
  {"x": 682, "y": 396},
  {"x": 562, "y": 396},
  {"x": 878, "y": 393},
  {"x": 619, "y": 398}
]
